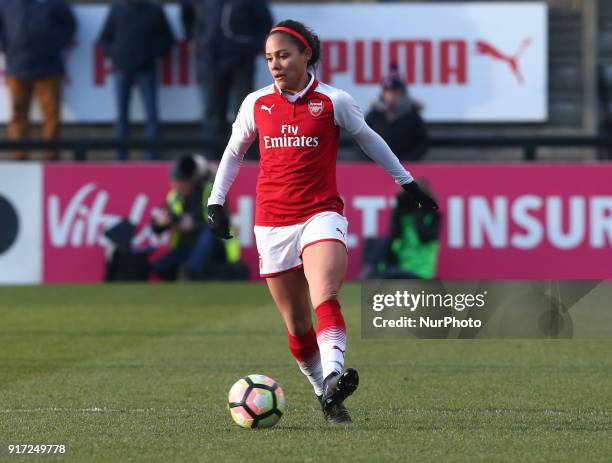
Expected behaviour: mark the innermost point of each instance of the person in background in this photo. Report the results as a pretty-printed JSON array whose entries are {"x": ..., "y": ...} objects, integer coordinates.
[
  {"x": 33, "y": 36},
  {"x": 228, "y": 35},
  {"x": 412, "y": 247},
  {"x": 396, "y": 117},
  {"x": 192, "y": 243},
  {"x": 135, "y": 35}
]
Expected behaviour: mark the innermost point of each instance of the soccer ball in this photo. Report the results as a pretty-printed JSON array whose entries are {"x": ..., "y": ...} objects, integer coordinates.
[{"x": 256, "y": 401}]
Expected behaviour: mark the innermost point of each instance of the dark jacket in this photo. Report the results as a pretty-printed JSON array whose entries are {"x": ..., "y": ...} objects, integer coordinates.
[
  {"x": 33, "y": 34},
  {"x": 135, "y": 34},
  {"x": 227, "y": 32},
  {"x": 405, "y": 132}
]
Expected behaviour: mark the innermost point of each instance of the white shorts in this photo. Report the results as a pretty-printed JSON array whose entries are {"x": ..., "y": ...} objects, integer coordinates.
[{"x": 280, "y": 248}]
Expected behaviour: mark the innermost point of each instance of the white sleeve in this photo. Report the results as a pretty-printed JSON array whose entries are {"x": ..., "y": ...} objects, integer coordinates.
[
  {"x": 348, "y": 115},
  {"x": 244, "y": 132},
  {"x": 377, "y": 149}
]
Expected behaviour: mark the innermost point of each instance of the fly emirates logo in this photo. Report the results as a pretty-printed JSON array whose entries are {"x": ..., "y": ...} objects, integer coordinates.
[{"x": 290, "y": 138}]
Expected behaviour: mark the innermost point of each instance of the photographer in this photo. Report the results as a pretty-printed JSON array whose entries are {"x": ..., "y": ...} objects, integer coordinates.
[
  {"x": 411, "y": 249},
  {"x": 414, "y": 240},
  {"x": 193, "y": 246}
]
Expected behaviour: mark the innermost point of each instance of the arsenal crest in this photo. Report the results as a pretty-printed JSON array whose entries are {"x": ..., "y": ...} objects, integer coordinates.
[{"x": 315, "y": 107}]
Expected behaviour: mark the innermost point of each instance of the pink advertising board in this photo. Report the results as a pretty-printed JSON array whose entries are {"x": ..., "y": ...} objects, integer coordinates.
[
  {"x": 82, "y": 200},
  {"x": 499, "y": 221}
]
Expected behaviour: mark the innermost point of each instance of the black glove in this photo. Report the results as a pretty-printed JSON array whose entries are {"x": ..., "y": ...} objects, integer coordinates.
[
  {"x": 421, "y": 199},
  {"x": 218, "y": 222}
]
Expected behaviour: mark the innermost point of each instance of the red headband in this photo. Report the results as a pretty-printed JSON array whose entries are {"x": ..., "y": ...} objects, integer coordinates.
[{"x": 297, "y": 35}]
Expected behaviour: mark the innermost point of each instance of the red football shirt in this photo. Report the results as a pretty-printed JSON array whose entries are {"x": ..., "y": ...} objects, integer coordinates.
[
  {"x": 298, "y": 140},
  {"x": 298, "y": 145}
]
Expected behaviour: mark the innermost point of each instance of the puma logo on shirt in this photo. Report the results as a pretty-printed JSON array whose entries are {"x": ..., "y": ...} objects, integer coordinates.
[{"x": 267, "y": 108}]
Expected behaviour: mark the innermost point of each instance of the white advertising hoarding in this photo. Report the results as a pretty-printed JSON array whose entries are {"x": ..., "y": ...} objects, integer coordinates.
[
  {"x": 465, "y": 62},
  {"x": 21, "y": 202}
]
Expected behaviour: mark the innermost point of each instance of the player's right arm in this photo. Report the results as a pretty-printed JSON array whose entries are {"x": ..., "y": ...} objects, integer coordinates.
[{"x": 244, "y": 133}]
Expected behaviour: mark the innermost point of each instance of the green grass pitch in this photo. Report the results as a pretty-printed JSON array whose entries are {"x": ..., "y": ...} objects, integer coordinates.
[{"x": 141, "y": 373}]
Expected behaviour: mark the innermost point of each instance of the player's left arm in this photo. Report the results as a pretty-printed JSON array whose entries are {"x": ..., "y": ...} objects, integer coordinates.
[{"x": 349, "y": 116}]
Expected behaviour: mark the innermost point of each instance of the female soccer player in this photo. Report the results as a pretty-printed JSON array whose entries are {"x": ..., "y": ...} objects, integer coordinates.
[{"x": 299, "y": 227}]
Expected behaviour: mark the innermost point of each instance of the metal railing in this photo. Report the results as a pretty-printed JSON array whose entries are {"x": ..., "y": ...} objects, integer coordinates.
[
  {"x": 81, "y": 146},
  {"x": 529, "y": 145}
]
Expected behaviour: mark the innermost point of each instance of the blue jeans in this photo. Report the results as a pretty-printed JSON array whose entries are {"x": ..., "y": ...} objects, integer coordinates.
[
  {"x": 147, "y": 83},
  {"x": 196, "y": 257}
]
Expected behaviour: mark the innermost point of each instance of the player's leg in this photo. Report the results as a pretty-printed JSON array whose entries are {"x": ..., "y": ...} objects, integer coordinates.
[
  {"x": 325, "y": 266},
  {"x": 290, "y": 293},
  {"x": 325, "y": 260}
]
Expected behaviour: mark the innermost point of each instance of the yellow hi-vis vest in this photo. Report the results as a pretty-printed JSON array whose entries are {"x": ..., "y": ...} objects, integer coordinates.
[{"x": 175, "y": 204}]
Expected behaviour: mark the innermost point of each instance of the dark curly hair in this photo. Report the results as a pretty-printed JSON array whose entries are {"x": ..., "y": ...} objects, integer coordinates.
[{"x": 307, "y": 33}]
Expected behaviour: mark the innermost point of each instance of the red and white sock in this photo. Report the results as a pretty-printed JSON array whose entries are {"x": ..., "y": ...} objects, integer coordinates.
[
  {"x": 305, "y": 350},
  {"x": 331, "y": 336}
]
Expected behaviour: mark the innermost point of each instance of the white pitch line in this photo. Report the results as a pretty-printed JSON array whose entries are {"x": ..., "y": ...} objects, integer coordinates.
[
  {"x": 100, "y": 410},
  {"x": 499, "y": 411}
]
